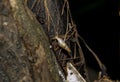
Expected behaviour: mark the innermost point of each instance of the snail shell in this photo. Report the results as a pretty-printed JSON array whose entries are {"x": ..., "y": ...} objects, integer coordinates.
[{"x": 62, "y": 44}]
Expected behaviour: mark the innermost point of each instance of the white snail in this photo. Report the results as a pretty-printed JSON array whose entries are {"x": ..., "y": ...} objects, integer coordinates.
[{"x": 62, "y": 44}]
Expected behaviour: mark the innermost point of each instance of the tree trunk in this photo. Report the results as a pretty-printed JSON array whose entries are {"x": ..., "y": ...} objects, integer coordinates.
[
  {"x": 25, "y": 54},
  {"x": 26, "y": 31},
  {"x": 55, "y": 17}
]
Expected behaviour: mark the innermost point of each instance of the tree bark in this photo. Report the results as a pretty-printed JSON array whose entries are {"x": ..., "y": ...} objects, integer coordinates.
[{"x": 25, "y": 53}]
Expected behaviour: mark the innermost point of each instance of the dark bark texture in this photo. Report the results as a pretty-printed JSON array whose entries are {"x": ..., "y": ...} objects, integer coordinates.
[
  {"x": 25, "y": 55},
  {"x": 54, "y": 22},
  {"x": 26, "y": 31}
]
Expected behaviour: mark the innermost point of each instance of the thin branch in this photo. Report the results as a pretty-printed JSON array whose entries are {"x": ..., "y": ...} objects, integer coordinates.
[
  {"x": 93, "y": 53},
  {"x": 33, "y": 5}
]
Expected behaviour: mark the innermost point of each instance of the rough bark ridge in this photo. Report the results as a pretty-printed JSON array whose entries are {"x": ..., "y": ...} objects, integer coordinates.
[
  {"x": 24, "y": 48},
  {"x": 55, "y": 17}
]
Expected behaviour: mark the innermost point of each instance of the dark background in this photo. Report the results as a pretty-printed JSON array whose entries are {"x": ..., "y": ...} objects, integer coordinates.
[{"x": 97, "y": 24}]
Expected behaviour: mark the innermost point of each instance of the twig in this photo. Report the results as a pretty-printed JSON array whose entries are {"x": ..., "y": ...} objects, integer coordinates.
[
  {"x": 63, "y": 7},
  {"x": 49, "y": 17},
  {"x": 74, "y": 50},
  {"x": 35, "y": 1},
  {"x": 93, "y": 53},
  {"x": 69, "y": 59},
  {"x": 38, "y": 7}
]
